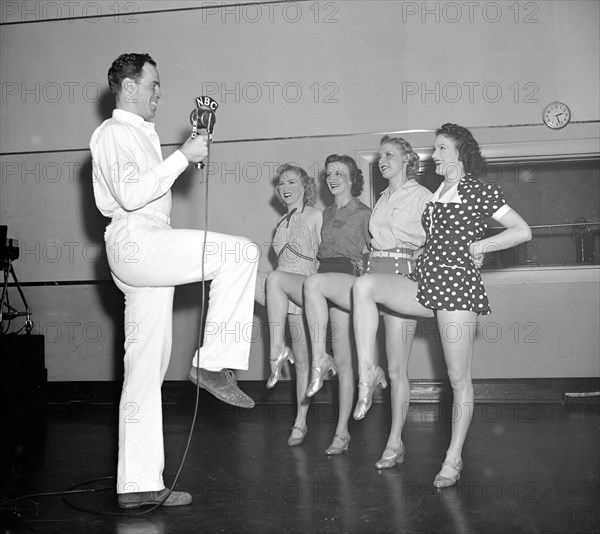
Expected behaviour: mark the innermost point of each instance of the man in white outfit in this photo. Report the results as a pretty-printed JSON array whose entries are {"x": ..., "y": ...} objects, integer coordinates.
[{"x": 147, "y": 258}]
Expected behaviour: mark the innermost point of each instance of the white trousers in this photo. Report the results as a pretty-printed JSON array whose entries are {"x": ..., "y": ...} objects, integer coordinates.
[{"x": 147, "y": 259}]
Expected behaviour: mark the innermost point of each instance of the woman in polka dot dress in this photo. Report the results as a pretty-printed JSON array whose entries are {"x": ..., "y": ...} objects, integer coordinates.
[{"x": 445, "y": 282}]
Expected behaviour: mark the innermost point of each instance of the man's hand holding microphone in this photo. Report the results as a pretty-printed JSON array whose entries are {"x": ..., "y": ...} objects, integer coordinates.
[{"x": 195, "y": 149}]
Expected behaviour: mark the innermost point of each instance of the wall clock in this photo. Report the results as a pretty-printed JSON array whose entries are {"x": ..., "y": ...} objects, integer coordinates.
[{"x": 556, "y": 115}]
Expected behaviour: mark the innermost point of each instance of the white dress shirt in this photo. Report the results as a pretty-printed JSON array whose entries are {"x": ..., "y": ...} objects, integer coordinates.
[
  {"x": 396, "y": 218},
  {"x": 128, "y": 168}
]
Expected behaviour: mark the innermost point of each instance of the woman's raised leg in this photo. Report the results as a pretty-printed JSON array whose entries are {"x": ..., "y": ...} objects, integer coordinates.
[
  {"x": 281, "y": 287},
  {"x": 318, "y": 290},
  {"x": 398, "y": 294}
]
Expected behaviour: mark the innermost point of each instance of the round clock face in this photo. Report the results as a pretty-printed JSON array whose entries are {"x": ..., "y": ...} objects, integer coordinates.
[{"x": 556, "y": 115}]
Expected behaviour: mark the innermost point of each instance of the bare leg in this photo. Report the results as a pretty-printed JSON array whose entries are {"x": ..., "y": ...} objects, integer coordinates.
[
  {"x": 260, "y": 291},
  {"x": 342, "y": 352},
  {"x": 398, "y": 294},
  {"x": 318, "y": 290},
  {"x": 399, "y": 335},
  {"x": 301, "y": 356},
  {"x": 457, "y": 329},
  {"x": 281, "y": 286}
]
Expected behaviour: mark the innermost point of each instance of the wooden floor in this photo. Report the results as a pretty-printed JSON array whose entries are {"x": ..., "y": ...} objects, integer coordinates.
[{"x": 528, "y": 468}]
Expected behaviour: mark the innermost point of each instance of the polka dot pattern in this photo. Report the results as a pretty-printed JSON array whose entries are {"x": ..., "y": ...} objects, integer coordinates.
[{"x": 447, "y": 277}]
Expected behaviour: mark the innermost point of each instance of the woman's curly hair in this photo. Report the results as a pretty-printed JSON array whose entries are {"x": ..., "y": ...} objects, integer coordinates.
[
  {"x": 412, "y": 158},
  {"x": 308, "y": 182},
  {"x": 356, "y": 176},
  {"x": 468, "y": 149}
]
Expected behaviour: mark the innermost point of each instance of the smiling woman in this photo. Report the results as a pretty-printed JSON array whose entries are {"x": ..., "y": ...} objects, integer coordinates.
[
  {"x": 397, "y": 235},
  {"x": 341, "y": 235},
  {"x": 295, "y": 243},
  {"x": 345, "y": 230},
  {"x": 445, "y": 281}
]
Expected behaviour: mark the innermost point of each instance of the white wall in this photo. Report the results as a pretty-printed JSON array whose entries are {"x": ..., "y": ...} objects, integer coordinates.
[{"x": 359, "y": 74}]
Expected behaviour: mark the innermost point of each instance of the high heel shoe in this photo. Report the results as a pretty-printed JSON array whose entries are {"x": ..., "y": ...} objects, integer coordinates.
[
  {"x": 338, "y": 445},
  {"x": 321, "y": 372},
  {"x": 285, "y": 354},
  {"x": 394, "y": 456},
  {"x": 294, "y": 442},
  {"x": 444, "y": 482},
  {"x": 365, "y": 399}
]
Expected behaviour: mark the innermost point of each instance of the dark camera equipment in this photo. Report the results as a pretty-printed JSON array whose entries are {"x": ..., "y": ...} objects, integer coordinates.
[
  {"x": 203, "y": 118},
  {"x": 9, "y": 248},
  {"x": 9, "y": 252}
]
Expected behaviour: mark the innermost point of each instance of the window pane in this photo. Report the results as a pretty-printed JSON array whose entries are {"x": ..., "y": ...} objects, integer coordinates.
[{"x": 560, "y": 200}]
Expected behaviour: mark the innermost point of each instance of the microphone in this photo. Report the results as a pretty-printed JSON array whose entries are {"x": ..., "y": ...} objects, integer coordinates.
[{"x": 203, "y": 117}]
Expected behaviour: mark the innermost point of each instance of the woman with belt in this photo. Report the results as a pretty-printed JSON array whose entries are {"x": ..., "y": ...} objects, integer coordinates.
[
  {"x": 397, "y": 234},
  {"x": 295, "y": 244},
  {"x": 445, "y": 281},
  {"x": 344, "y": 237}
]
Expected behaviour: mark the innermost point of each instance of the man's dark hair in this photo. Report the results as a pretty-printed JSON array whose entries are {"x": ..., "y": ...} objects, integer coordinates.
[{"x": 127, "y": 66}]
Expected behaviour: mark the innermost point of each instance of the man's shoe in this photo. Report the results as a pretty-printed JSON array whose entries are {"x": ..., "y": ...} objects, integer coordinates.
[
  {"x": 221, "y": 384},
  {"x": 148, "y": 498}
]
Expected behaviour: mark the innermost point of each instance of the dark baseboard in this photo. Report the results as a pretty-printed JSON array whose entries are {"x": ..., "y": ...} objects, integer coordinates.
[{"x": 516, "y": 390}]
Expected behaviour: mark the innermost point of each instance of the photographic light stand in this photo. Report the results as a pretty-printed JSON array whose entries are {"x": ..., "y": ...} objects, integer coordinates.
[{"x": 8, "y": 312}]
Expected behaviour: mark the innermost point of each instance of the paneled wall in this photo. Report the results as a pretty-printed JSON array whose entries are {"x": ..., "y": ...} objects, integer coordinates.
[{"x": 296, "y": 81}]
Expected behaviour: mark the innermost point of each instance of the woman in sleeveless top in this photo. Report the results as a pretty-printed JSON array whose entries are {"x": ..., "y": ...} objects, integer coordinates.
[
  {"x": 295, "y": 244},
  {"x": 345, "y": 237}
]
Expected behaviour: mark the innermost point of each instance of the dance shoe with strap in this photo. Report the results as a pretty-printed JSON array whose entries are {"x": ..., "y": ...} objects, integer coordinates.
[
  {"x": 338, "y": 445},
  {"x": 445, "y": 482},
  {"x": 390, "y": 457},
  {"x": 296, "y": 441},
  {"x": 318, "y": 375},
  {"x": 285, "y": 354},
  {"x": 365, "y": 392}
]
